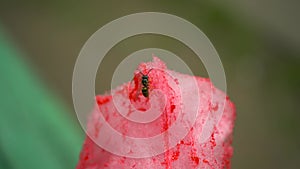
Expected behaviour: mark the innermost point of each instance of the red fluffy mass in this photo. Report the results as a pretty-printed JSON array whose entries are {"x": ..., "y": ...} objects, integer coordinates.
[{"x": 174, "y": 100}]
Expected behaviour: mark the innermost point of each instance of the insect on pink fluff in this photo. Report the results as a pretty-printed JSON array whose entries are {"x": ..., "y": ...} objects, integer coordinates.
[{"x": 189, "y": 152}]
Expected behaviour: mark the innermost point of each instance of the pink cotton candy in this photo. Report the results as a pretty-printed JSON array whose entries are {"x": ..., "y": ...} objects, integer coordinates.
[{"x": 172, "y": 101}]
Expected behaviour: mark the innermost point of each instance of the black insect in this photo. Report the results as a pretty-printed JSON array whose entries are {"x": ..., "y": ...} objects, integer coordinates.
[{"x": 145, "y": 83}]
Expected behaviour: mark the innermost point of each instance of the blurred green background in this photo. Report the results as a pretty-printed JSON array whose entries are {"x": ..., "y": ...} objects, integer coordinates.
[{"x": 258, "y": 42}]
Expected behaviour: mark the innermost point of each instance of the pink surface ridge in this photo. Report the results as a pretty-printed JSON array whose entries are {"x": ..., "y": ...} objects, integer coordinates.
[{"x": 165, "y": 130}]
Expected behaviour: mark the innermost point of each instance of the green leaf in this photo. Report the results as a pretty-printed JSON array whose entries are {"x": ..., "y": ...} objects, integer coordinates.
[{"x": 36, "y": 130}]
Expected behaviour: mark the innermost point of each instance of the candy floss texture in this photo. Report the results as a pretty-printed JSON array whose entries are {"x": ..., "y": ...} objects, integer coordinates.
[{"x": 189, "y": 152}]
